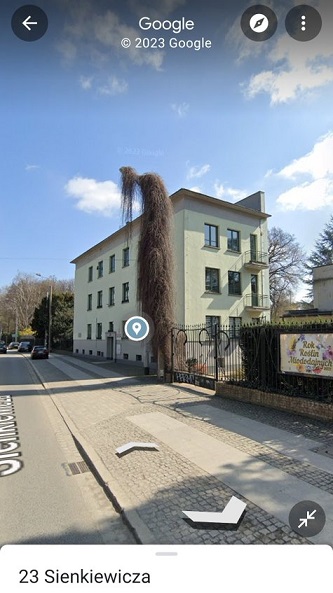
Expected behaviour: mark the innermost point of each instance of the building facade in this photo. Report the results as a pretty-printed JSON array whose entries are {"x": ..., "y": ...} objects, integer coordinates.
[
  {"x": 221, "y": 274},
  {"x": 322, "y": 285}
]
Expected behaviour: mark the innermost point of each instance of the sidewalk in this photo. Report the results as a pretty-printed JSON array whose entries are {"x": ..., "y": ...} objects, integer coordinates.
[{"x": 209, "y": 450}]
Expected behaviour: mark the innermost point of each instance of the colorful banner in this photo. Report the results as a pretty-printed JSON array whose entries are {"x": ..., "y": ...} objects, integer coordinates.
[{"x": 307, "y": 354}]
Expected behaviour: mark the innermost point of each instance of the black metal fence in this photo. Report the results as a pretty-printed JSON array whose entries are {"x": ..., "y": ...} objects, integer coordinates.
[
  {"x": 248, "y": 356},
  {"x": 260, "y": 348},
  {"x": 202, "y": 356}
]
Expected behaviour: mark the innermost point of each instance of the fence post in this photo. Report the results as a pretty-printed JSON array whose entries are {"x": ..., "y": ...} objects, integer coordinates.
[
  {"x": 216, "y": 336},
  {"x": 172, "y": 355},
  {"x": 262, "y": 363}
]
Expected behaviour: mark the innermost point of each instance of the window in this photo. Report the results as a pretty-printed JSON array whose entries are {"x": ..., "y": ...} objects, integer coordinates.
[
  {"x": 138, "y": 357},
  {"x": 100, "y": 269},
  {"x": 89, "y": 304},
  {"x": 111, "y": 326},
  {"x": 233, "y": 240},
  {"x": 126, "y": 257},
  {"x": 99, "y": 299},
  {"x": 89, "y": 331},
  {"x": 212, "y": 280},
  {"x": 125, "y": 292},
  {"x": 211, "y": 322},
  {"x": 254, "y": 291},
  {"x": 211, "y": 235},
  {"x": 112, "y": 263},
  {"x": 234, "y": 326},
  {"x": 234, "y": 283},
  {"x": 99, "y": 331},
  {"x": 111, "y": 296},
  {"x": 90, "y": 274},
  {"x": 125, "y": 356},
  {"x": 253, "y": 247},
  {"x": 123, "y": 323}
]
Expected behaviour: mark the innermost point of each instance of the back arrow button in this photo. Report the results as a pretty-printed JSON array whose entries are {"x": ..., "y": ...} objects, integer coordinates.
[{"x": 29, "y": 23}]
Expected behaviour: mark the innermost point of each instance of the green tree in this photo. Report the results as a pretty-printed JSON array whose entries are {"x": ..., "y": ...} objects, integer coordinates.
[
  {"x": 62, "y": 318},
  {"x": 322, "y": 254},
  {"x": 19, "y": 300}
]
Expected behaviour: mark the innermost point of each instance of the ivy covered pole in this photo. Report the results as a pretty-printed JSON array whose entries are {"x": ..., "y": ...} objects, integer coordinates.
[{"x": 155, "y": 263}]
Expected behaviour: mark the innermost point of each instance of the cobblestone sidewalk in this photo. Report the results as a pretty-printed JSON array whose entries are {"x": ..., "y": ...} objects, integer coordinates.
[{"x": 157, "y": 485}]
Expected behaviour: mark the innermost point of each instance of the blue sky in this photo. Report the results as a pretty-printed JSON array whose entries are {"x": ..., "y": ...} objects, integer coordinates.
[{"x": 228, "y": 121}]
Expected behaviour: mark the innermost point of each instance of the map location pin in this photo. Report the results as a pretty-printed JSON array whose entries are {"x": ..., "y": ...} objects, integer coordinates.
[{"x": 136, "y": 327}]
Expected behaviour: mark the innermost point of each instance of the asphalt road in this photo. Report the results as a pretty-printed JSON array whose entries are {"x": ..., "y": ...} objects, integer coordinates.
[{"x": 44, "y": 501}]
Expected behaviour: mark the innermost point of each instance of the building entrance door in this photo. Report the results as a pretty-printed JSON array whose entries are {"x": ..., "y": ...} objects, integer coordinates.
[{"x": 110, "y": 348}]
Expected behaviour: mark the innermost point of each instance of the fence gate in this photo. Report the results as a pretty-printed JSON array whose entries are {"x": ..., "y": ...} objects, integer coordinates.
[{"x": 201, "y": 356}]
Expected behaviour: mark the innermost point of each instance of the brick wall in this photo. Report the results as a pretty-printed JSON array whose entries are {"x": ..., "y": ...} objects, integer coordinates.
[{"x": 297, "y": 405}]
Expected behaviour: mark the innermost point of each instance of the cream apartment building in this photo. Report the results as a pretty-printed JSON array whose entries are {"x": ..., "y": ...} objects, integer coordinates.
[{"x": 221, "y": 274}]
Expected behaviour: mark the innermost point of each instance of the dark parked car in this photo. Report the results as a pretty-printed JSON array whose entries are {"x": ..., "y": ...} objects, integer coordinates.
[
  {"x": 13, "y": 346},
  {"x": 25, "y": 347},
  {"x": 3, "y": 348},
  {"x": 39, "y": 352}
]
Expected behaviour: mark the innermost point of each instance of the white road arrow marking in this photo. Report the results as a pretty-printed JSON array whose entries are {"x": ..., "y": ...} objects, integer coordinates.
[
  {"x": 230, "y": 515},
  {"x": 135, "y": 445},
  {"x": 26, "y": 23}
]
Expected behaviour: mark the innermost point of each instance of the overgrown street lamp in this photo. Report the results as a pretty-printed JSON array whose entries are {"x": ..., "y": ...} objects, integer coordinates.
[{"x": 50, "y": 314}]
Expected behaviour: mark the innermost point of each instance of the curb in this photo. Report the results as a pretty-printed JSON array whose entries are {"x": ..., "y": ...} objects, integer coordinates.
[{"x": 121, "y": 500}]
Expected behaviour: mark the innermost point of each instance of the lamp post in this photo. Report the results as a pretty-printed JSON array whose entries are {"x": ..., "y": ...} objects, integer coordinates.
[{"x": 50, "y": 314}]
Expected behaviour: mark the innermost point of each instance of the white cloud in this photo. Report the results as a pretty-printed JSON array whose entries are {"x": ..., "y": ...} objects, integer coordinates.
[
  {"x": 315, "y": 172},
  {"x": 91, "y": 196},
  {"x": 31, "y": 167},
  {"x": 180, "y": 108},
  {"x": 105, "y": 32},
  {"x": 86, "y": 82},
  {"x": 317, "y": 164},
  {"x": 156, "y": 10},
  {"x": 113, "y": 86},
  {"x": 290, "y": 83},
  {"x": 67, "y": 49},
  {"x": 296, "y": 69},
  {"x": 226, "y": 193},
  {"x": 308, "y": 196},
  {"x": 195, "y": 172},
  {"x": 196, "y": 188}
]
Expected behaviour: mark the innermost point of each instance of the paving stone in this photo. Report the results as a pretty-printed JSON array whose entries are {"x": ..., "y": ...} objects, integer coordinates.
[{"x": 164, "y": 483}]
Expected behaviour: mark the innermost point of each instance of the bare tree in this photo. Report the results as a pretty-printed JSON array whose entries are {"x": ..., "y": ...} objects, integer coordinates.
[
  {"x": 22, "y": 297},
  {"x": 155, "y": 254},
  {"x": 286, "y": 268},
  {"x": 19, "y": 300}
]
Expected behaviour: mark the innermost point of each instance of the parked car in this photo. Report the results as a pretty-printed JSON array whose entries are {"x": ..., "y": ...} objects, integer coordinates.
[
  {"x": 3, "y": 348},
  {"x": 13, "y": 345},
  {"x": 24, "y": 347},
  {"x": 39, "y": 352}
]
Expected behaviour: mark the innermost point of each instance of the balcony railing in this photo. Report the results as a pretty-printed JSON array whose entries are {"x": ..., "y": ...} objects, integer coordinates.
[
  {"x": 256, "y": 260},
  {"x": 256, "y": 302}
]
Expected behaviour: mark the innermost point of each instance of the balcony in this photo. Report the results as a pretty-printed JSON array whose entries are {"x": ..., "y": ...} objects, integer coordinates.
[
  {"x": 256, "y": 303},
  {"x": 255, "y": 260}
]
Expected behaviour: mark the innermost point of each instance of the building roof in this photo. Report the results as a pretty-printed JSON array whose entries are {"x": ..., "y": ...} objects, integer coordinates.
[
  {"x": 306, "y": 313},
  {"x": 256, "y": 200}
]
